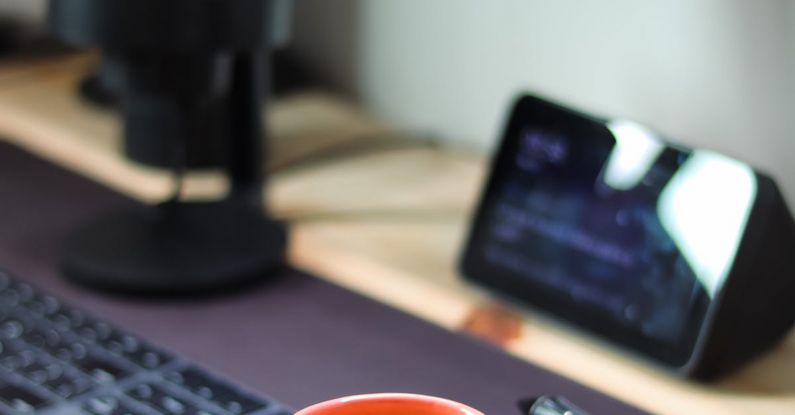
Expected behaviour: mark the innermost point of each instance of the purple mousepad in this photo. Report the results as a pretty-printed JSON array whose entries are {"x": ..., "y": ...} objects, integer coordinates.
[{"x": 296, "y": 338}]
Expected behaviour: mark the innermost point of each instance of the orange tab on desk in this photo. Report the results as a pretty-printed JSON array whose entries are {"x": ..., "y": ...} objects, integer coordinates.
[{"x": 493, "y": 323}]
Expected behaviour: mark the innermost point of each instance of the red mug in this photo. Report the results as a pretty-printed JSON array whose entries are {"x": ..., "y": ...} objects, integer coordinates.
[{"x": 389, "y": 404}]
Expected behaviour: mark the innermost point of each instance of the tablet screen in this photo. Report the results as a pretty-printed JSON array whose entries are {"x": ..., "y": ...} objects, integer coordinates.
[{"x": 604, "y": 224}]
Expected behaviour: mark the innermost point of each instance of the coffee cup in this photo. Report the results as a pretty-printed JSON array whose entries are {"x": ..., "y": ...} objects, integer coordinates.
[{"x": 389, "y": 404}]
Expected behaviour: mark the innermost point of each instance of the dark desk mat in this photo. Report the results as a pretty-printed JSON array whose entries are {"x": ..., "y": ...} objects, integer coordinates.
[{"x": 297, "y": 338}]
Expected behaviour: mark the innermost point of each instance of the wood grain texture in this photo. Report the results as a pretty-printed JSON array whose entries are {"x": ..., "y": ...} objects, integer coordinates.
[{"x": 388, "y": 224}]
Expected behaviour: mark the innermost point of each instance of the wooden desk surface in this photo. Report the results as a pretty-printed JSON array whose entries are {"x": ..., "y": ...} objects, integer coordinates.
[{"x": 387, "y": 224}]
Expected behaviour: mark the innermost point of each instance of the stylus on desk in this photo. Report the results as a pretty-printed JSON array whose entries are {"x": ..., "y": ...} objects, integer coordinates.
[{"x": 549, "y": 405}]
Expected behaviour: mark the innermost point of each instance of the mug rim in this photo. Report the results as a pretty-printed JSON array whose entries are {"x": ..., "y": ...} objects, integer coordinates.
[{"x": 400, "y": 396}]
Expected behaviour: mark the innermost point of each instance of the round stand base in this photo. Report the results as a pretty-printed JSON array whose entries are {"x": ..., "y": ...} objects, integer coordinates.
[{"x": 175, "y": 249}]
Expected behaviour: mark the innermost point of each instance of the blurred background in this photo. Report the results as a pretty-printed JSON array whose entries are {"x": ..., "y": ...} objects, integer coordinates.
[
  {"x": 408, "y": 75},
  {"x": 707, "y": 73}
]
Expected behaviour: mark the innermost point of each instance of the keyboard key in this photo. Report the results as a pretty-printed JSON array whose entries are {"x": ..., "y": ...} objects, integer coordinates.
[
  {"x": 19, "y": 360},
  {"x": 12, "y": 329},
  {"x": 36, "y": 372},
  {"x": 100, "y": 369},
  {"x": 63, "y": 381},
  {"x": 108, "y": 405},
  {"x": 68, "y": 319},
  {"x": 68, "y": 386},
  {"x": 20, "y": 399},
  {"x": 51, "y": 305},
  {"x": 25, "y": 291},
  {"x": 70, "y": 351},
  {"x": 102, "y": 406},
  {"x": 48, "y": 339},
  {"x": 134, "y": 350},
  {"x": 148, "y": 357},
  {"x": 160, "y": 399},
  {"x": 217, "y": 391},
  {"x": 114, "y": 342},
  {"x": 142, "y": 392},
  {"x": 103, "y": 330},
  {"x": 89, "y": 328}
]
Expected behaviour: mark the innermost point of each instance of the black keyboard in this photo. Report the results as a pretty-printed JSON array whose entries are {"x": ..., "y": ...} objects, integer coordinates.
[{"x": 56, "y": 359}]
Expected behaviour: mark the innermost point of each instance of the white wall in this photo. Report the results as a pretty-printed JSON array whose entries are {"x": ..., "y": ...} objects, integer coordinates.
[
  {"x": 711, "y": 73},
  {"x": 27, "y": 10}
]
